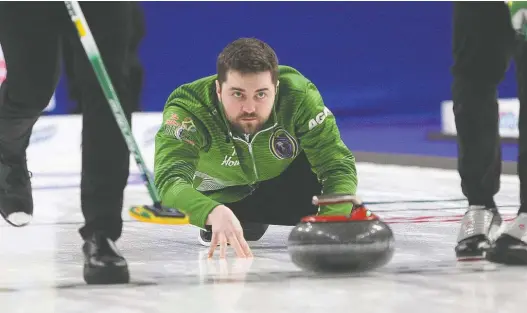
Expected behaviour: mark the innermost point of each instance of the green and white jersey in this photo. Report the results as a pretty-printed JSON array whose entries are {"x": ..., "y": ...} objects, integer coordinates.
[{"x": 201, "y": 163}]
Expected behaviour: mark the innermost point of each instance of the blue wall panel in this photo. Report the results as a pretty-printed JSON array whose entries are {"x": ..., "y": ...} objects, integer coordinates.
[{"x": 367, "y": 58}]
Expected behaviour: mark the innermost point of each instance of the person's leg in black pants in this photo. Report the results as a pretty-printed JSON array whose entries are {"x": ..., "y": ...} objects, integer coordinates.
[
  {"x": 105, "y": 156},
  {"x": 483, "y": 42},
  {"x": 509, "y": 248},
  {"x": 521, "y": 77},
  {"x": 283, "y": 200},
  {"x": 30, "y": 37},
  {"x": 32, "y": 58},
  {"x": 134, "y": 67}
]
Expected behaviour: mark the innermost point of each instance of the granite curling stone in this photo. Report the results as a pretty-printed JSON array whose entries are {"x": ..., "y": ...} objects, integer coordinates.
[{"x": 348, "y": 243}]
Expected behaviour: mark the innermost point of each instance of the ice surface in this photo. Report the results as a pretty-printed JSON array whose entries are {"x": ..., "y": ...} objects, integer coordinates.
[{"x": 41, "y": 265}]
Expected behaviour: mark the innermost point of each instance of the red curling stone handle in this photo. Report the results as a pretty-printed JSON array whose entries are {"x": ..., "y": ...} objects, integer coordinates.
[{"x": 336, "y": 199}]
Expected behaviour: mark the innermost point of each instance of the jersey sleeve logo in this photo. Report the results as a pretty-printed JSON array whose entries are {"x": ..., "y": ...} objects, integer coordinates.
[
  {"x": 319, "y": 118},
  {"x": 282, "y": 144},
  {"x": 180, "y": 129}
]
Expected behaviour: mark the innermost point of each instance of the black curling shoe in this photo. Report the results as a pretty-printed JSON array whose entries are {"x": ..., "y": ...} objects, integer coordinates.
[
  {"x": 16, "y": 200},
  {"x": 511, "y": 246},
  {"x": 103, "y": 263},
  {"x": 508, "y": 250},
  {"x": 473, "y": 248}
]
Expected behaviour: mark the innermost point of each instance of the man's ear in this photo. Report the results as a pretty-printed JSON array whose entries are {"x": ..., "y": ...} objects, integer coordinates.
[{"x": 218, "y": 89}]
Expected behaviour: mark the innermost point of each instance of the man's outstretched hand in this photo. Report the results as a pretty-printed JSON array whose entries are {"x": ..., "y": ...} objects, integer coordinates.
[{"x": 226, "y": 229}]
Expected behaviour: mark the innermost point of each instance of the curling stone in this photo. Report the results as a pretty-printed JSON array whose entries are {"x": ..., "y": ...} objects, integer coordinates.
[{"x": 350, "y": 243}]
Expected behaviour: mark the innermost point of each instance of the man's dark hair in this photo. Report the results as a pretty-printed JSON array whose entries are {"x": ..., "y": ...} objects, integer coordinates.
[{"x": 247, "y": 56}]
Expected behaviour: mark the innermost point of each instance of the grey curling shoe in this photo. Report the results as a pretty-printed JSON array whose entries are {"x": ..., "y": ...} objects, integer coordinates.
[{"x": 479, "y": 228}]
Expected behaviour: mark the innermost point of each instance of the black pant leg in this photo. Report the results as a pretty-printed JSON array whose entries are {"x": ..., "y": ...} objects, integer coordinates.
[
  {"x": 30, "y": 38},
  {"x": 283, "y": 200},
  {"x": 521, "y": 77},
  {"x": 482, "y": 48},
  {"x": 105, "y": 156},
  {"x": 135, "y": 66}
]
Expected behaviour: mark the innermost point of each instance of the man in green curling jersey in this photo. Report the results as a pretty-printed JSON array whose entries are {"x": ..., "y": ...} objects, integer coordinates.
[{"x": 249, "y": 147}]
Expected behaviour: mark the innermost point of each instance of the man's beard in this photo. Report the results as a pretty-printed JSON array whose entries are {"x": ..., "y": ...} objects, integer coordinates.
[{"x": 247, "y": 127}]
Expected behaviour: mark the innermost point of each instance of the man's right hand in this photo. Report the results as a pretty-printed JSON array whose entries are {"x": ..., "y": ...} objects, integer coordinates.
[{"x": 226, "y": 228}]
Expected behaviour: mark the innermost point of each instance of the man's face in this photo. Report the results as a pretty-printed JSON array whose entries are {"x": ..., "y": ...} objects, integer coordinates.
[{"x": 247, "y": 100}]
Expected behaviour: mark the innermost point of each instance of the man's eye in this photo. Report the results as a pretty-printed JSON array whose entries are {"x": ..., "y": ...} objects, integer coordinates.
[
  {"x": 237, "y": 94},
  {"x": 261, "y": 95}
]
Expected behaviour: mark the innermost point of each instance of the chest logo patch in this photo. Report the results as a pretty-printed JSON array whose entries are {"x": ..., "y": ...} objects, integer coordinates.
[{"x": 282, "y": 144}]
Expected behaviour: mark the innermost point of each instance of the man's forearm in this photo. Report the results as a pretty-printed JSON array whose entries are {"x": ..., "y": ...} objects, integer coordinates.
[{"x": 181, "y": 195}]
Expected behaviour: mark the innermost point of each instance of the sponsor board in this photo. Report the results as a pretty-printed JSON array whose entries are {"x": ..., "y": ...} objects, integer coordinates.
[{"x": 56, "y": 142}]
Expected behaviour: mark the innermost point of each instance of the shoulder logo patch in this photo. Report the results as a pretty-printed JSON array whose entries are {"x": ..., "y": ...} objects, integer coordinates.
[
  {"x": 282, "y": 144},
  {"x": 180, "y": 129}
]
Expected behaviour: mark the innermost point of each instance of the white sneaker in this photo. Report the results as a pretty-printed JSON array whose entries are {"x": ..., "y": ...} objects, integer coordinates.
[
  {"x": 204, "y": 237},
  {"x": 19, "y": 219}
]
